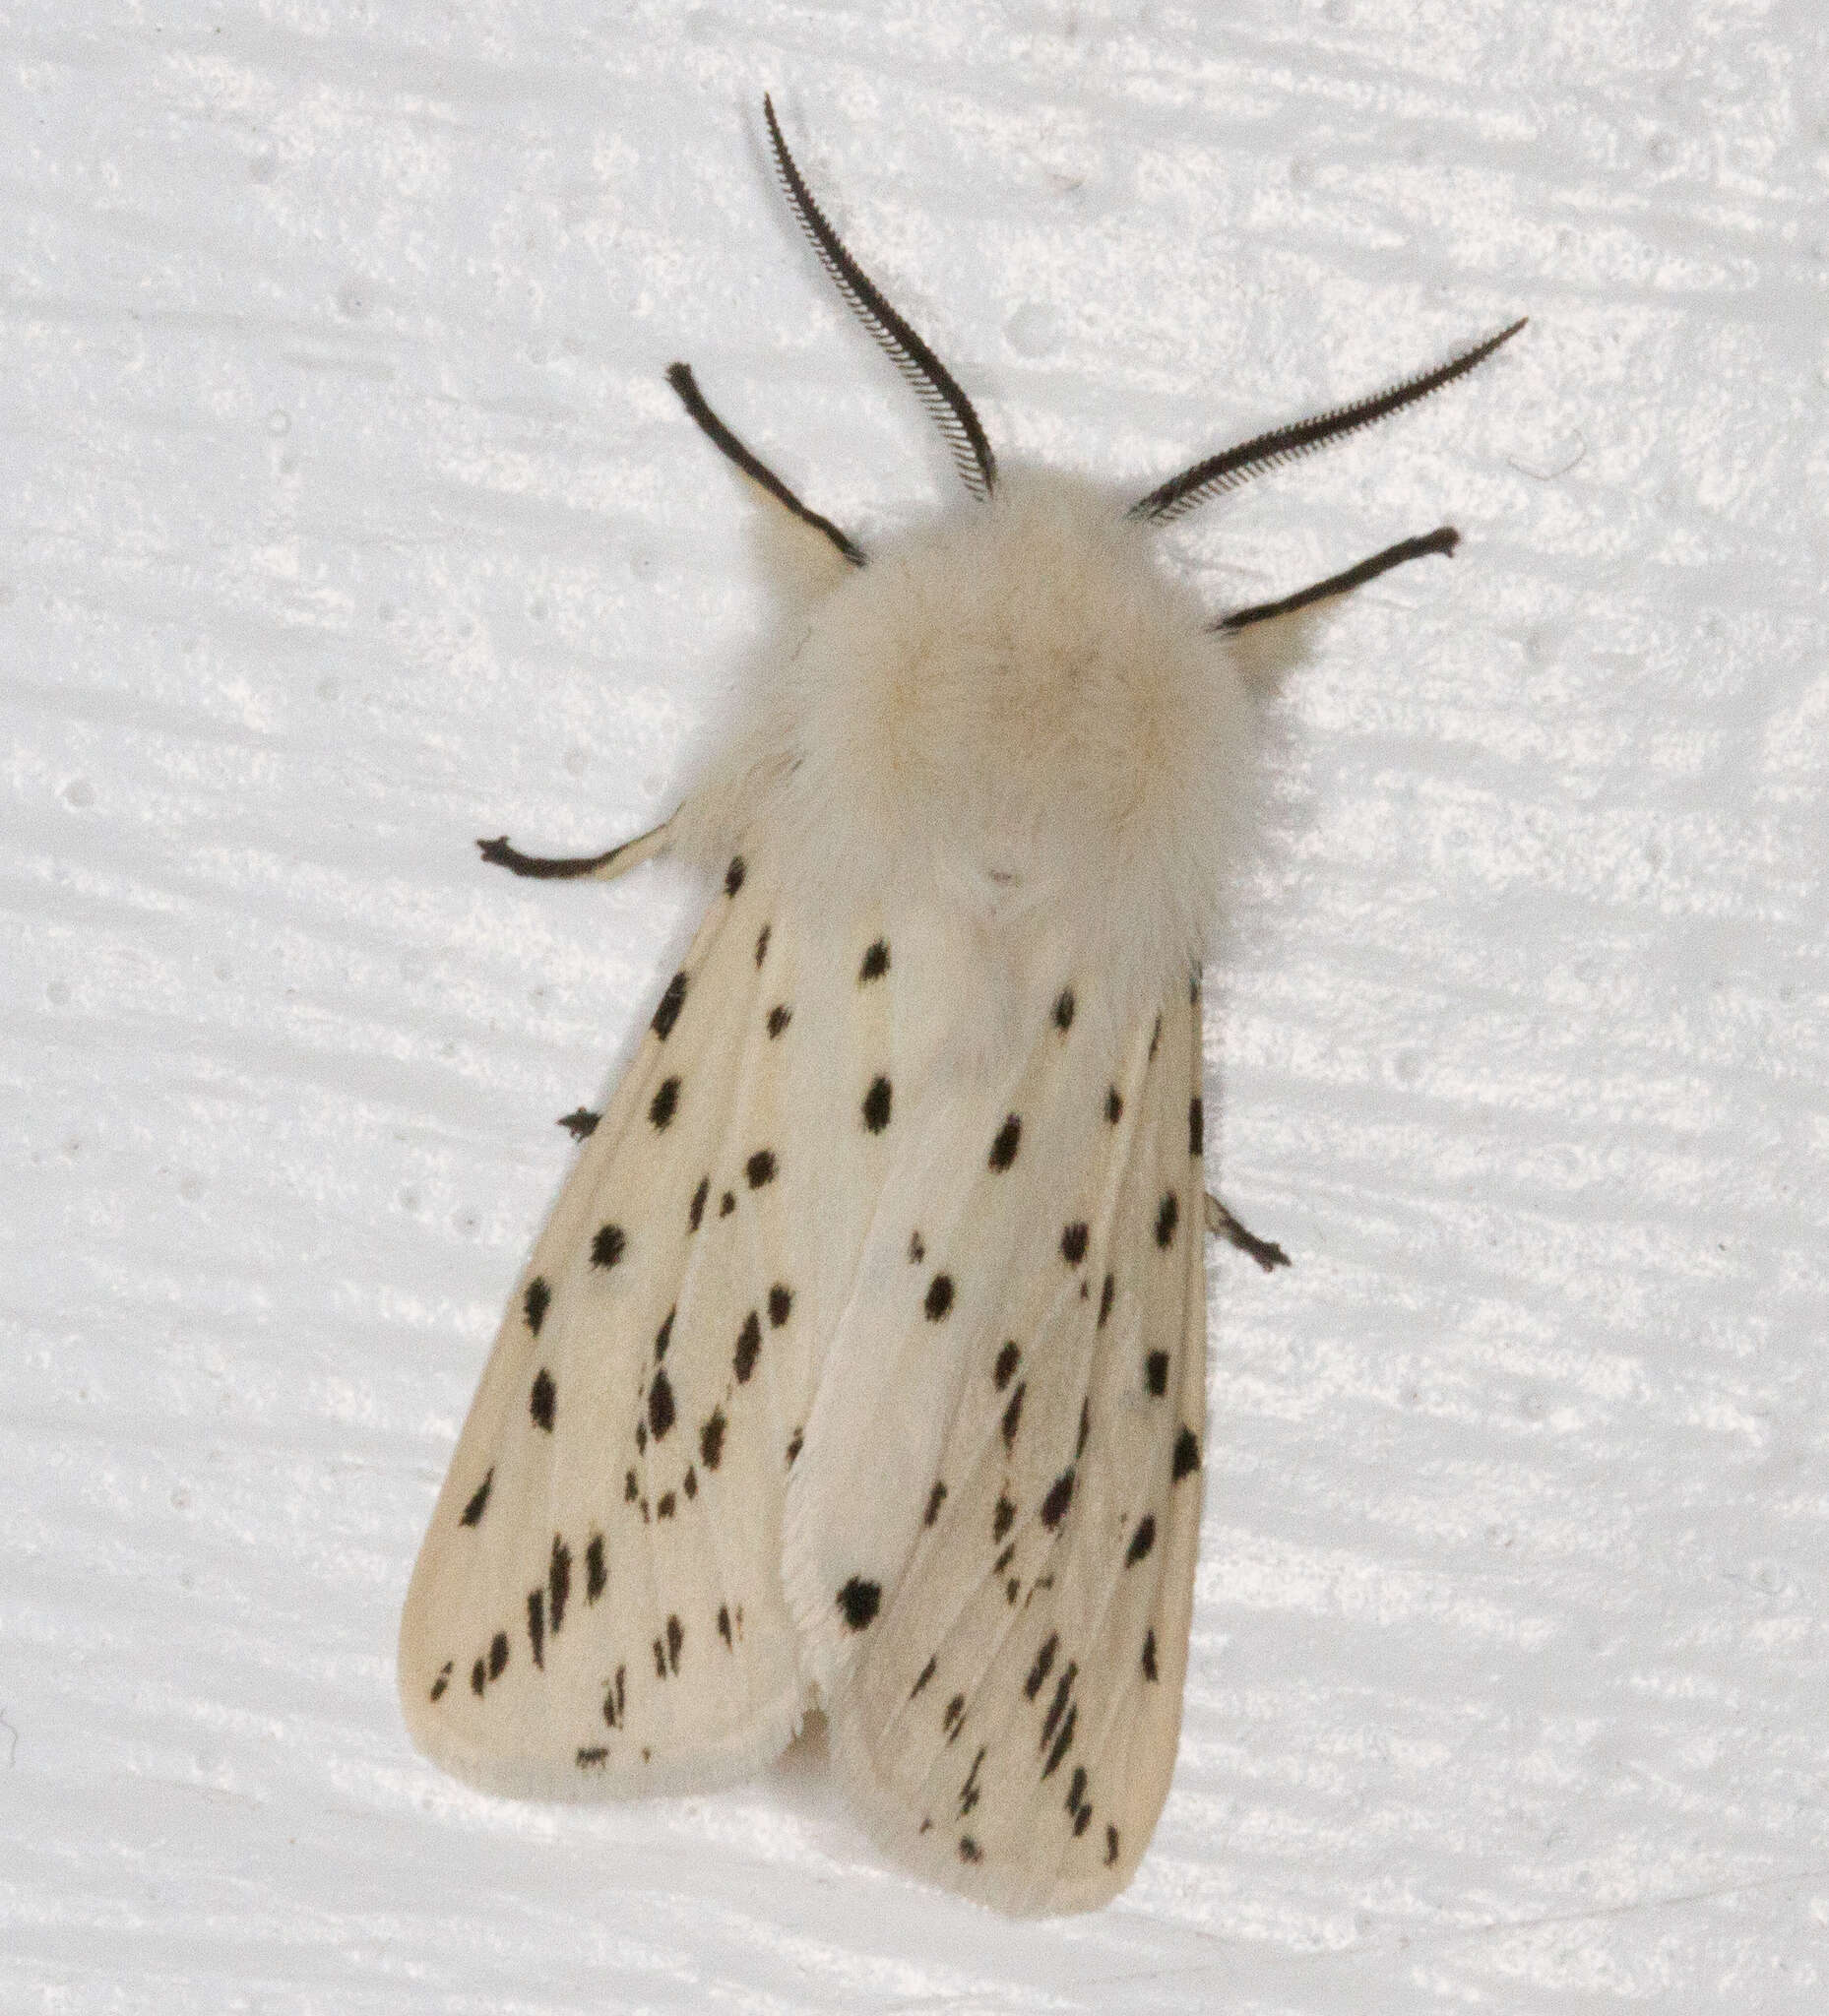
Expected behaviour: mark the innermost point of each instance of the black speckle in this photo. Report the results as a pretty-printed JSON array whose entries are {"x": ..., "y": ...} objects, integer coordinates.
[
  {"x": 699, "y": 1196},
  {"x": 478, "y": 1677},
  {"x": 1076, "y": 1790},
  {"x": 1193, "y": 988},
  {"x": 796, "y": 1443},
  {"x": 675, "y": 1638},
  {"x": 954, "y": 1720},
  {"x": 660, "y": 1660},
  {"x": 631, "y": 1490},
  {"x": 1168, "y": 1215},
  {"x": 663, "y": 1336},
  {"x": 858, "y": 1600},
  {"x": 939, "y": 1297},
  {"x": 671, "y": 1002},
  {"x": 1086, "y": 1426},
  {"x": 726, "y": 1204},
  {"x": 1110, "y": 1846},
  {"x": 935, "y": 1499},
  {"x": 1155, "y": 1372},
  {"x": 1187, "y": 1454},
  {"x": 471, "y": 1513},
  {"x": 1063, "y": 1693},
  {"x": 1003, "y": 1148},
  {"x": 760, "y": 1168},
  {"x": 723, "y": 1626},
  {"x": 918, "y": 1252},
  {"x": 1115, "y": 1107},
  {"x": 1149, "y": 1655},
  {"x": 968, "y": 1849},
  {"x": 926, "y": 1673},
  {"x": 875, "y": 962},
  {"x": 580, "y": 1124},
  {"x": 498, "y": 1654},
  {"x": 710, "y": 1440},
  {"x": 607, "y": 1248},
  {"x": 780, "y": 1304},
  {"x": 1142, "y": 1540},
  {"x": 1004, "y": 1559},
  {"x": 1006, "y": 1364},
  {"x": 749, "y": 1344},
  {"x": 558, "y": 1583},
  {"x": 1063, "y": 1742},
  {"x": 1082, "y": 1820},
  {"x": 540, "y": 1399},
  {"x": 1073, "y": 1244},
  {"x": 615, "y": 1700},
  {"x": 689, "y": 1483},
  {"x": 1013, "y": 1416},
  {"x": 1197, "y": 1127},
  {"x": 1156, "y": 1035},
  {"x": 733, "y": 875},
  {"x": 592, "y": 1756},
  {"x": 665, "y": 1508},
  {"x": 442, "y": 1683},
  {"x": 761, "y": 945},
  {"x": 1011, "y": 1589},
  {"x": 1045, "y": 1660},
  {"x": 1063, "y": 1010},
  {"x": 969, "y": 1792},
  {"x": 536, "y": 1625},
  {"x": 535, "y": 1302},
  {"x": 1003, "y": 1518},
  {"x": 665, "y": 1104},
  {"x": 596, "y": 1575},
  {"x": 640, "y": 1439},
  {"x": 876, "y": 1103},
  {"x": 660, "y": 1405},
  {"x": 1059, "y": 1497},
  {"x": 779, "y": 1018}
]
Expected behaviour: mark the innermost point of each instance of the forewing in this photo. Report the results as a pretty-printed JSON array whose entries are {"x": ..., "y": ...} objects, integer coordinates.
[
  {"x": 598, "y": 1605},
  {"x": 991, "y": 1536}
]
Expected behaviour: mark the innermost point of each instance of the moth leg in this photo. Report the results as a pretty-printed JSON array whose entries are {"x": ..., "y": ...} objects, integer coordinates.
[
  {"x": 603, "y": 867},
  {"x": 1223, "y": 1226}
]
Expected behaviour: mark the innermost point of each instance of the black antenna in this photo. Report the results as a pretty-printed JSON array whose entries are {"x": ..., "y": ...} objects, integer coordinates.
[
  {"x": 934, "y": 385},
  {"x": 680, "y": 378},
  {"x": 1236, "y": 465}
]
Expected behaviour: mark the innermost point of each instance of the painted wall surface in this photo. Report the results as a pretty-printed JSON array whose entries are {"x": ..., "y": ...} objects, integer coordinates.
[{"x": 345, "y": 515}]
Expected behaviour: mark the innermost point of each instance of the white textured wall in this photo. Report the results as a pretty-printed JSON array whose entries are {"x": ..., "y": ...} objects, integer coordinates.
[{"x": 344, "y": 516}]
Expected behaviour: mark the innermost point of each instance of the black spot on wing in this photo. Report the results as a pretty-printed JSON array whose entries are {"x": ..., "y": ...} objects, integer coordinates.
[
  {"x": 1110, "y": 1846},
  {"x": 926, "y": 1673},
  {"x": 1045, "y": 1661},
  {"x": 726, "y": 1204},
  {"x": 779, "y": 1018},
  {"x": 1115, "y": 1106},
  {"x": 697, "y": 1212},
  {"x": 762, "y": 946},
  {"x": 1013, "y": 1416},
  {"x": 471, "y": 1513},
  {"x": 671, "y": 1002},
  {"x": 876, "y": 1105},
  {"x": 1105, "y": 1294},
  {"x": 663, "y": 1336},
  {"x": 1059, "y": 1497},
  {"x": 1003, "y": 1518},
  {"x": 1187, "y": 1454},
  {"x": 918, "y": 1252},
  {"x": 760, "y": 1168},
  {"x": 875, "y": 962},
  {"x": 1142, "y": 1540},
  {"x": 1167, "y": 1217},
  {"x": 796, "y": 1443},
  {"x": 968, "y": 1849},
  {"x": 954, "y": 1720},
  {"x": 780, "y": 1304},
  {"x": 733, "y": 875},
  {"x": 665, "y": 1507},
  {"x": 1197, "y": 1127},
  {"x": 1149, "y": 1655},
  {"x": 1156, "y": 1035},
  {"x": 535, "y": 1302},
  {"x": 665, "y": 1104},
  {"x": 1073, "y": 1242},
  {"x": 1063, "y": 1010},
  {"x": 711, "y": 1439},
  {"x": 675, "y": 1639},
  {"x": 1155, "y": 1372},
  {"x": 498, "y": 1654},
  {"x": 580, "y": 1124},
  {"x": 592, "y": 1756},
  {"x": 608, "y": 1245},
  {"x": 660, "y": 1412},
  {"x": 935, "y": 1499},
  {"x": 558, "y": 1583},
  {"x": 749, "y": 1344},
  {"x": 1009, "y": 1138},
  {"x": 1006, "y": 1363},
  {"x": 858, "y": 1602},
  {"x": 723, "y": 1626},
  {"x": 536, "y": 1625},
  {"x": 939, "y": 1298},
  {"x": 442, "y": 1681},
  {"x": 596, "y": 1575},
  {"x": 540, "y": 1399}
]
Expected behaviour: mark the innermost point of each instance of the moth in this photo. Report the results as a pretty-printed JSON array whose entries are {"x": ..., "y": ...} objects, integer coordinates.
[{"x": 861, "y": 1363}]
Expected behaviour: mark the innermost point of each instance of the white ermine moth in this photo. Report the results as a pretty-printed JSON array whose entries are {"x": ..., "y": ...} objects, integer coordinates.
[{"x": 861, "y": 1363}]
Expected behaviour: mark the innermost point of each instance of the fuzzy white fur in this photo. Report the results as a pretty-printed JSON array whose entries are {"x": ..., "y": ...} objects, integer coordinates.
[{"x": 1012, "y": 717}]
